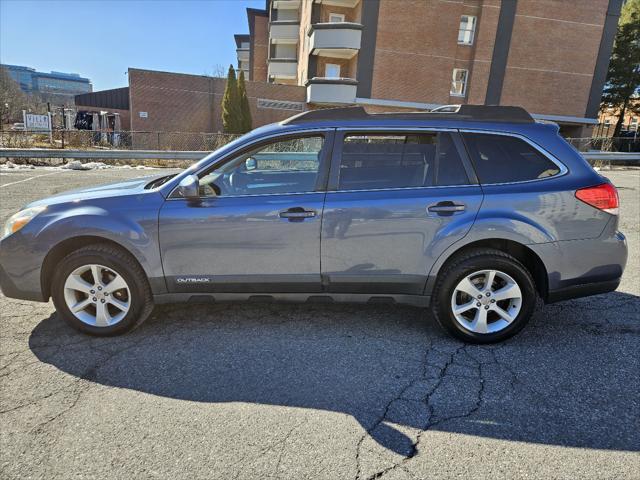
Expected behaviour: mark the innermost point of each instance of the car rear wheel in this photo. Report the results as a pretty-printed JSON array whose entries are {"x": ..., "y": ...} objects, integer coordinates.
[
  {"x": 101, "y": 290},
  {"x": 484, "y": 296}
]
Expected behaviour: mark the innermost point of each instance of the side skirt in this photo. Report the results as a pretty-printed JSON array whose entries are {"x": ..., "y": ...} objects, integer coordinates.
[{"x": 414, "y": 300}]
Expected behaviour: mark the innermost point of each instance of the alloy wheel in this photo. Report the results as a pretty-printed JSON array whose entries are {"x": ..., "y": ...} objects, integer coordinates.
[
  {"x": 97, "y": 295},
  {"x": 486, "y": 301}
]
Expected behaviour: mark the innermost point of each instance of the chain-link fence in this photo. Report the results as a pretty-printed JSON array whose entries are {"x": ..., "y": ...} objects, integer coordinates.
[
  {"x": 88, "y": 139},
  {"x": 606, "y": 144}
]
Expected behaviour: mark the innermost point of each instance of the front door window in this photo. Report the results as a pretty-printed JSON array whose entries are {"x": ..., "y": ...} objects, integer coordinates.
[{"x": 287, "y": 166}]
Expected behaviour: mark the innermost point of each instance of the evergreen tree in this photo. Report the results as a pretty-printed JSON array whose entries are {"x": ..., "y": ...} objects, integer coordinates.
[
  {"x": 623, "y": 77},
  {"x": 245, "y": 111},
  {"x": 231, "y": 115}
]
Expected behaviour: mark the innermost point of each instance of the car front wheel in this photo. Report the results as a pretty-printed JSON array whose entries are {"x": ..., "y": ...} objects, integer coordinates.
[
  {"x": 484, "y": 296},
  {"x": 101, "y": 290}
]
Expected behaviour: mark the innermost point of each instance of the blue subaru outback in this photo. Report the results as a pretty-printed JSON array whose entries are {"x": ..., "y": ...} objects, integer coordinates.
[{"x": 475, "y": 213}]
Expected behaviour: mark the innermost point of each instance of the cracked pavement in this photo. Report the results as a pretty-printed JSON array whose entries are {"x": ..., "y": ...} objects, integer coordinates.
[{"x": 320, "y": 391}]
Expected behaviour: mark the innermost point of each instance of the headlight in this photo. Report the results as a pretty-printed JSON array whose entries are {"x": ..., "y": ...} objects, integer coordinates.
[{"x": 20, "y": 219}]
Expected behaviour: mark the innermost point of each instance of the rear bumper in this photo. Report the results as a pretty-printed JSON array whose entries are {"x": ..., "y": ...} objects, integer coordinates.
[
  {"x": 580, "y": 268},
  {"x": 584, "y": 290}
]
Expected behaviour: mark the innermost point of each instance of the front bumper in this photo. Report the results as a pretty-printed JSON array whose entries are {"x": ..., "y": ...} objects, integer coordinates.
[{"x": 20, "y": 267}]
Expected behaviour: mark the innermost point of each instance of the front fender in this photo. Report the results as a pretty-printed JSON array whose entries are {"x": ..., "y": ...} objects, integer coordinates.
[
  {"x": 129, "y": 221},
  {"x": 132, "y": 224}
]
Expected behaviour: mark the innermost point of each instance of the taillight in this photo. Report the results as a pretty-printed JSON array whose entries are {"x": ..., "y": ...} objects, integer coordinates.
[{"x": 603, "y": 197}]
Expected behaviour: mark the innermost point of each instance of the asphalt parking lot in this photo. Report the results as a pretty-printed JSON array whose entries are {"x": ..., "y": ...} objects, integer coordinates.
[{"x": 320, "y": 392}]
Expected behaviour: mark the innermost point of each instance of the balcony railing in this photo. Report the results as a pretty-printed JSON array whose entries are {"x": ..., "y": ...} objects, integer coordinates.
[
  {"x": 331, "y": 91},
  {"x": 338, "y": 40},
  {"x": 283, "y": 68},
  {"x": 284, "y": 31}
]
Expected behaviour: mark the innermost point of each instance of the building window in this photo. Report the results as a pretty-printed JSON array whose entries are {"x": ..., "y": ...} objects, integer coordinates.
[
  {"x": 633, "y": 125},
  {"x": 332, "y": 70},
  {"x": 467, "y": 30},
  {"x": 336, "y": 18},
  {"x": 459, "y": 82}
]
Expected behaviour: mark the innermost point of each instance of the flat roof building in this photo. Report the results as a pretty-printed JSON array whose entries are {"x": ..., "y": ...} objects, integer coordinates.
[
  {"x": 550, "y": 57},
  {"x": 51, "y": 86}
]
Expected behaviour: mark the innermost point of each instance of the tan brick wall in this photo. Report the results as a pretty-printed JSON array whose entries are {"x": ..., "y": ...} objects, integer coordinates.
[
  {"x": 192, "y": 103},
  {"x": 260, "y": 48},
  {"x": 553, "y": 52},
  {"x": 303, "y": 42},
  {"x": 552, "y": 57},
  {"x": 487, "y": 14},
  {"x": 415, "y": 50}
]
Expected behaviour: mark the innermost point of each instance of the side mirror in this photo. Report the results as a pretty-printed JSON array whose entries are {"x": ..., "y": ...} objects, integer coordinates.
[
  {"x": 189, "y": 187},
  {"x": 250, "y": 163}
]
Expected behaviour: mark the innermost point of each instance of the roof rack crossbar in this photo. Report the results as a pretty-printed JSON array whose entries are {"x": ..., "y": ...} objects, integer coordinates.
[{"x": 482, "y": 113}]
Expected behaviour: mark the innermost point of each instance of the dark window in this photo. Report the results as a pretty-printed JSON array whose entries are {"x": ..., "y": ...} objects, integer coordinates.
[
  {"x": 374, "y": 161},
  {"x": 500, "y": 159}
]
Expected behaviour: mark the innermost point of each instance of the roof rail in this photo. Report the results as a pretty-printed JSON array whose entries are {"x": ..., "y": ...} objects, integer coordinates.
[{"x": 482, "y": 113}]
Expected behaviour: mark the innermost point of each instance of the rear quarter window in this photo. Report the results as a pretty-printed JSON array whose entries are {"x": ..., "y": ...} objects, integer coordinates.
[{"x": 503, "y": 159}]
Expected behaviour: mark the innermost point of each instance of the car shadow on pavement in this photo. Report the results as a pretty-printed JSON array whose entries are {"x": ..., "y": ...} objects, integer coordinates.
[{"x": 570, "y": 378}]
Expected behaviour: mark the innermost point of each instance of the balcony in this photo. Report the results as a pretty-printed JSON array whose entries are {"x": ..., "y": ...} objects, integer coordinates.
[
  {"x": 243, "y": 54},
  {"x": 283, "y": 68},
  {"x": 338, "y": 3},
  {"x": 286, "y": 31},
  {"x": 331, "y": 91},
  {"x": 337, "y": 40}
]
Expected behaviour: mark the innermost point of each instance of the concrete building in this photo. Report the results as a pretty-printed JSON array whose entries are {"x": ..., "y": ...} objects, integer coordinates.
[
  {"x": 53, "y": 86},
  {"x": 549, "y": 56}
]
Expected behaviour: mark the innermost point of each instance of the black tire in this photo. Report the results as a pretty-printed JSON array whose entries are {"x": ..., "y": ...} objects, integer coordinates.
[
  {"x": 466, "y": 264},
  {"x": 121, "y": 262}
]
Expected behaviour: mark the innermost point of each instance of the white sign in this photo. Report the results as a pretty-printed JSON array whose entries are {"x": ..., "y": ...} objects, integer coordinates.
[
  {"x": 144, "y": 114},
  {"x": 36, "y": 122}
]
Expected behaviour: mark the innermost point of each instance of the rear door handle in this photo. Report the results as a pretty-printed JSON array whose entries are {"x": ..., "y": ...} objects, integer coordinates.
[
  {"x": 446, "y": 208},
  {"x": 297, "y": 214}
]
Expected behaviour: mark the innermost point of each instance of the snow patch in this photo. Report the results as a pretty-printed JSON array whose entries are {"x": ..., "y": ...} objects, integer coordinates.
[{"x": 13, "y": 166}]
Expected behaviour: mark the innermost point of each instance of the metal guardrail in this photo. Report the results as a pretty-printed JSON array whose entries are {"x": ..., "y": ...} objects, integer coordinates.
[
  {"x": 614, "y": 158},
  {"x": 102, "y": 154},
  {"x": 607, "y": 156}
]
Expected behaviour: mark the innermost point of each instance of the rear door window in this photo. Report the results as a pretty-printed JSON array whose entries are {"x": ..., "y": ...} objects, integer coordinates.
[
  {"x": 400, "y": 160},
  {"x": 504, "y": 159}
]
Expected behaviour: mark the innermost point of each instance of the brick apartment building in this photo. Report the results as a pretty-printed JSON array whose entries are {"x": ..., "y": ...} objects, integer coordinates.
[{"x": 549, "y": 56}]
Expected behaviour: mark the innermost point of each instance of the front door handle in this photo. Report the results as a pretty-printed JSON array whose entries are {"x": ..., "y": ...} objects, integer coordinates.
[
  {"x": 446, "y": 208},
  {"x": 297, "y": 214}
]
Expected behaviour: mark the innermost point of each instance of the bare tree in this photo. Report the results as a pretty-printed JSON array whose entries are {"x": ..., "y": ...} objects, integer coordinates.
[
  {"x": 13, "y": 100},
  {"x": 218, "y": 71}
]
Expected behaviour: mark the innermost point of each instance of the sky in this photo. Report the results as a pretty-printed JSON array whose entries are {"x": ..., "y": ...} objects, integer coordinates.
[{"x": 101, "y": 39}]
